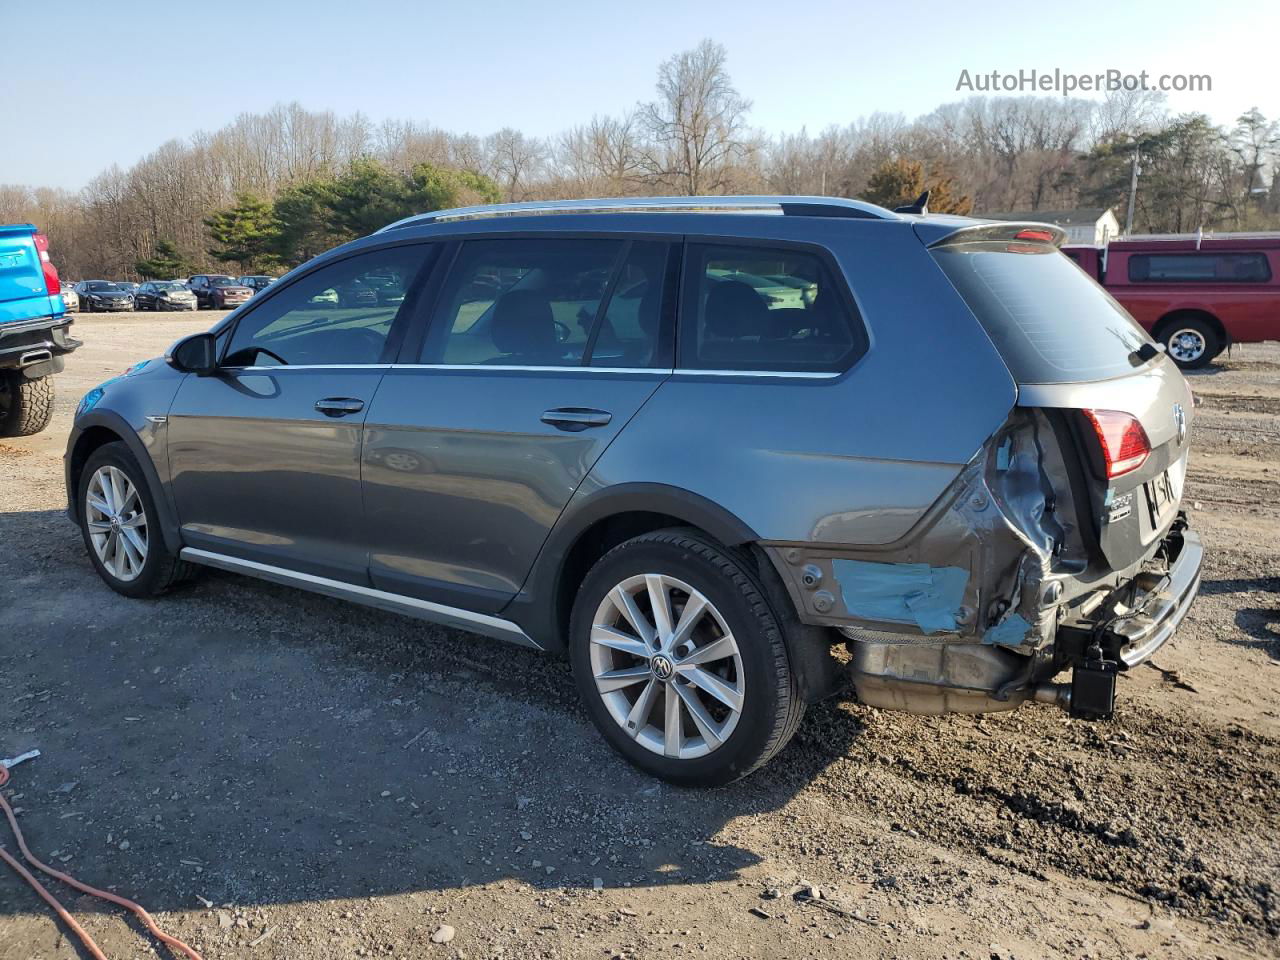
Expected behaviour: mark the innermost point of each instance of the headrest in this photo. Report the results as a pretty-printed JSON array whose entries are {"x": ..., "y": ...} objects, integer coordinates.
[
  {"x": 734, "y": 310},
  {"x": 524, "y": 324}
]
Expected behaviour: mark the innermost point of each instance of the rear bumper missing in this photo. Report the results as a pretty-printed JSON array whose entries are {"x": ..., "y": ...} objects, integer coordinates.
[
  {"x": 927, "y": 675},
  {"x": 1133, "y": 634}
]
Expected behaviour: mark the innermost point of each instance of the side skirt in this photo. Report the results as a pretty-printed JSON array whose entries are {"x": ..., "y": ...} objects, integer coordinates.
[{"x": 481, "y": 623}]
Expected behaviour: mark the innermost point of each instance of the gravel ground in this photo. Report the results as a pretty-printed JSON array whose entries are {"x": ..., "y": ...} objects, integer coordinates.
[{"x": 278, "y": 775}]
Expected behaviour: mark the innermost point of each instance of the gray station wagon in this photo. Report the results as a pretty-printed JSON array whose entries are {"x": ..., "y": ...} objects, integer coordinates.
[{"x": 695, "y": 445}]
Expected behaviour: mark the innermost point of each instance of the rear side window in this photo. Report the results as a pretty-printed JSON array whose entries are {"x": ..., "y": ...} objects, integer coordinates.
[
  {"x": 1199, "y": 268},
  {"x": 764, "y": 308},
  {"x": 1050, "y": 321},
  {"x": 549, "y": 302}
]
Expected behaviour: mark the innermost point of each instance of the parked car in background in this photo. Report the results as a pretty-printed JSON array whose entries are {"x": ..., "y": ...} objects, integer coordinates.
[
  {"x": 218, "y": 292},
  {"x": 98, "y": 295},
  {"x": 70, "y": 299},
  {"x": 1196, "y": 295},
  {"x": 164, "y": 295},
  {"x": 34, "y": 330},
  {"x": 256, "y": 283},
  {"x": 578, "y": 443}
]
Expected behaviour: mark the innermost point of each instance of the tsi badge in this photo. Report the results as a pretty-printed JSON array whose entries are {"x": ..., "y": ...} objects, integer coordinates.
[{"x": 1180, "y": 421}]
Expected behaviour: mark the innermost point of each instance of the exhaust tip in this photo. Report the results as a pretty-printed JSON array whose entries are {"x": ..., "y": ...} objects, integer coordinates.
[{"x": 1054, "y": 694}]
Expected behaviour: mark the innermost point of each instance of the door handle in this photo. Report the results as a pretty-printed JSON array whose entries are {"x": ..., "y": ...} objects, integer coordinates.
[
  {"x": 576, "y": 418},
  {"x": 339, "y": 406}
]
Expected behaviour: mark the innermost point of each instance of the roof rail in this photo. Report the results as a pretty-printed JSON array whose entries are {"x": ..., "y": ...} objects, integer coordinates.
[{"x": 766, "y": 205}]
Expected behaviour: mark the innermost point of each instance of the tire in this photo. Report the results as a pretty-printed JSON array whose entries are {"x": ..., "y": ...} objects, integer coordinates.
[
  {"x": 26, "y": 406},
  {"x": 159, "y": 568},
  {"x": 1191, "y": 343},
  {"x": 757, "y": 675}
]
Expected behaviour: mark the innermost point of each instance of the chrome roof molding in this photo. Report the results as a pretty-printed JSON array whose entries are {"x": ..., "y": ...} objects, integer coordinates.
[{"x": 757, "y": 205}]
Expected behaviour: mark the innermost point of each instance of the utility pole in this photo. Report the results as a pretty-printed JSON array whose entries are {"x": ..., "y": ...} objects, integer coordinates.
[{"x": 1133, "y": 192}]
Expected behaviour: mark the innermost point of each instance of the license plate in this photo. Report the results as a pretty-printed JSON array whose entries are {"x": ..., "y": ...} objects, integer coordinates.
[{"x": 1164, "y": 492}]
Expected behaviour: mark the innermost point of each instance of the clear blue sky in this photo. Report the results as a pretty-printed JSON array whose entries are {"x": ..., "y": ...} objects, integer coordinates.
[{"x": 91, "y": 83}]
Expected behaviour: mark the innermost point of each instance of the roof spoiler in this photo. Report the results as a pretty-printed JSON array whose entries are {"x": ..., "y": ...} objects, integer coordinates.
[{"x": 1028, "y": 232}]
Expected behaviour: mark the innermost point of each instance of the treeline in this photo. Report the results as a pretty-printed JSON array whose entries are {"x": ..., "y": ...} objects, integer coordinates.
[{"x": 270, "y": 190}]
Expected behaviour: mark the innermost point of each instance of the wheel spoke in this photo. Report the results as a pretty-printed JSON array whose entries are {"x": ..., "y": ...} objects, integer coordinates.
[
  {"x": 673, "y": 735},
  {"x": 612, "y": 680},
  {"x": 705, "y": 680},
  {"x": 98, "y": 504},
  {"x": 135, "y": 547},
  {"x": 99, "y": 526},
  {"x": 615, "y": 640},
  {"x": 701, "y": 719},
  {"x": 117, "y": 492},
  {"x": 626, "y": 605},
  {"x": 638, "y": 718},
  {"x": 660, "y": 600},
  {"x": 726, "y": 646},
  {"x": 689, "y": 618}
]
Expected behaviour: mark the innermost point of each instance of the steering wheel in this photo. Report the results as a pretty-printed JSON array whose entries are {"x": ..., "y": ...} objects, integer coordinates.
[{"x": 563, "y": 333}]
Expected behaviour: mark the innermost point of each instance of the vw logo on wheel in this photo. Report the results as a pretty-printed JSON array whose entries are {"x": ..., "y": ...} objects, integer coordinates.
[
  {"x": 1180, "y": 421},
  {"x": 662, "y": 667}
]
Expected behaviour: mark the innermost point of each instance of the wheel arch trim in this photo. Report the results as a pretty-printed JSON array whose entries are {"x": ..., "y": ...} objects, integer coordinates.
[{"x": 117, "y": 425}]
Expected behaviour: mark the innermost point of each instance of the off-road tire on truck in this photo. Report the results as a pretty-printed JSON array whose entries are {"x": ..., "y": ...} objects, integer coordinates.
[{"x": 26, "y": 406}]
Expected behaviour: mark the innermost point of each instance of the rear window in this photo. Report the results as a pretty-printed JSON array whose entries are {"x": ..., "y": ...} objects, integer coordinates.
[
  {"x": 1050, "y": 321},
  {"x": 1199, "y": 268}
]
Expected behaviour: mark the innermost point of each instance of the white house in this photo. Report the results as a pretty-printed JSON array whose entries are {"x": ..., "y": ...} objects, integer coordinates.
[{"x": 1095, "y": 226}]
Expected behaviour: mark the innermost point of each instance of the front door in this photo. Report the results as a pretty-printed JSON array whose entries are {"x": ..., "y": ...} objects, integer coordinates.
[
  {"x": 265, "y": 455},
  {"x": 538, "y": 352}
]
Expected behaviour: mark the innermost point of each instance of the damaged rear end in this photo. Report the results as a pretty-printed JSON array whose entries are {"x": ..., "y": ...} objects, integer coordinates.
[{"x": 1060, "y": 556}]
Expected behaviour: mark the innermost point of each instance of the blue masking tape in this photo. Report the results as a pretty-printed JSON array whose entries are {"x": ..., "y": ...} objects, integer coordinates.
[
  {"x": 905, "y": 592},
  {"x": 1009, "y": 632}
]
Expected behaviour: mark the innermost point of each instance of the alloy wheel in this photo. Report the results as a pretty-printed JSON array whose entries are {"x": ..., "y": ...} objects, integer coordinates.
[
  {"x": 667, "y": 666},
  {"x": 1187, "y": 345},
  {"x": 117, "y": 522}
]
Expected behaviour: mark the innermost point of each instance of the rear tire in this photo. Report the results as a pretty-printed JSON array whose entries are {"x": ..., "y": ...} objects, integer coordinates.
[
  {"x": 26, "y": 406},
  {"x": 724, "y": 676},
  {"x": 121, "y": 528},
  {"x": 1191, "y": 342}
]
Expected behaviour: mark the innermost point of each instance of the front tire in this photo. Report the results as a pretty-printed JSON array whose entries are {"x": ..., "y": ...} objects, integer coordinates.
[
  {"x": 26, "y": 406},
  {"x": 119, "y": 523},
  {"x": 681, "y": 660},
  {"x": 1191, "y": 343}
]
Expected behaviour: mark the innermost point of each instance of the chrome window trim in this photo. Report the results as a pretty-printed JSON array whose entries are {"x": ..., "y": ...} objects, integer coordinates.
[
  {"x": 521, "y": 368},
  {"x": 398, "y": 603}
]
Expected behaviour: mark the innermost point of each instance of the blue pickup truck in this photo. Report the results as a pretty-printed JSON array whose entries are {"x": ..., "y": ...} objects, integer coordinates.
[{"x": 34, "y": 330}]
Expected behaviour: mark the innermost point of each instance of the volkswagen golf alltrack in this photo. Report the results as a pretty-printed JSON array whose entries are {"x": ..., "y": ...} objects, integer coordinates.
[{"x": 694, "y": 445}]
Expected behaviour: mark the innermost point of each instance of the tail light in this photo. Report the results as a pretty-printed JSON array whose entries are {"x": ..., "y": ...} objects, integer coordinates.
[
  {"x": 1038, "y": 236},
  {"x": 51, "y": 283},
  {"x": 1125, "y": 446}
]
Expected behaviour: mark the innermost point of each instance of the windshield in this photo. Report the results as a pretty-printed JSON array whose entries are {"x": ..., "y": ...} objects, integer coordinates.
[
  {"x": 1049, "y": 320},
  {"x": 222, "y": 282},
  {"x": 102, "y": 287},
  {"x": 169, "y": 287}
]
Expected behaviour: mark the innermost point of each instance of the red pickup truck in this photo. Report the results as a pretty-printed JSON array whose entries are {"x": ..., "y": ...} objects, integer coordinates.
[{"x": 1194, "y": 294}]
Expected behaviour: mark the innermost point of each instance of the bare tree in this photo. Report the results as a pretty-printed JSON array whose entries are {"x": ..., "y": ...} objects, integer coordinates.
[{"x": 697, "y": 123}]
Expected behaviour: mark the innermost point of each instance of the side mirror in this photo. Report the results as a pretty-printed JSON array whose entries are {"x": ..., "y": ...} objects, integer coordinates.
[{"x": 196, "y": 354}]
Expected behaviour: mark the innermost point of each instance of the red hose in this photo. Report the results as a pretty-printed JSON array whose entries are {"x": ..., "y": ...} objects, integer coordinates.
[{"x": 49, "y": 898}]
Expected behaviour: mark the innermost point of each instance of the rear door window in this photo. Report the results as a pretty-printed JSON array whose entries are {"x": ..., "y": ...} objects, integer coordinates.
[
  {"x": 1199, "y": 268},
  {"x": 765, "y": 308},
  {"x": 551, "y": 302},
  {"x": 1050, "y": 321}
]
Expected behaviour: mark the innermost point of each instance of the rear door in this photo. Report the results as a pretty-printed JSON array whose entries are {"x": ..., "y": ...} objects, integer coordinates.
[
  {"x": 265, "y": 455},
  {"x": 538, "y": 352},
  {"x": 23, "y": 292}
]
